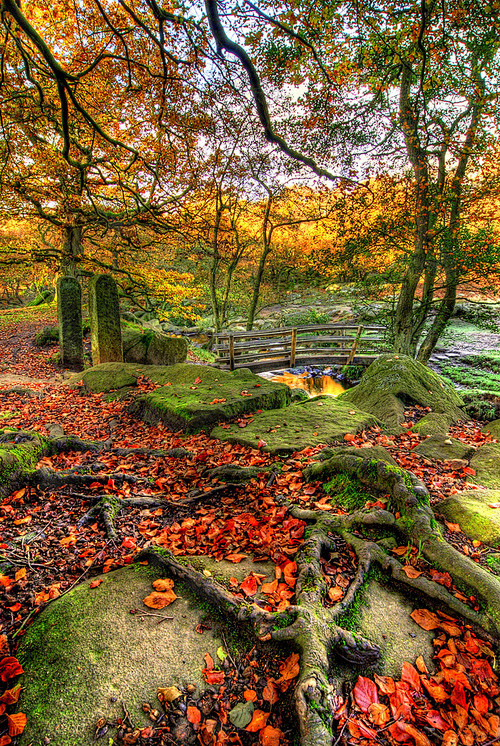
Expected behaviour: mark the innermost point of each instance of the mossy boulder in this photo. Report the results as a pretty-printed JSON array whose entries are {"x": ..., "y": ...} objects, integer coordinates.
[
  {"x": 107, "y": 377},
  {"x": 377, "y": 452},
  {"x": 443, "y": 448},
  {"x": 433, "y": 423},
  {"x": 86, "y": 653},
  {"x": 471, "y": 510},
  {"x": 493, "y": 428},
  {"x": 309, "y": 423},
  {"x": 486, "y": 464},
  {"x": 393, "y": 381},
  {"x": 19, "y": 454},
  {"x": 150, "y": 347},
  {"x": 197, "y": 397}
]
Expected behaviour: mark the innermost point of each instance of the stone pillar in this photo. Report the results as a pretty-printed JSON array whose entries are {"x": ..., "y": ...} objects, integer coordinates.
[
  {"x": 105, "y": 329},
  {"x": 69, "y": 313}
]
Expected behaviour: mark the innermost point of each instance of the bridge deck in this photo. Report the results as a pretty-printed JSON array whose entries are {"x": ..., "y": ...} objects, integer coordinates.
[{"x": 320, "y": 344}]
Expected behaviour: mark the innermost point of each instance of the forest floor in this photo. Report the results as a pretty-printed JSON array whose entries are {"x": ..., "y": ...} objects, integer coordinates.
[{"x": 46, "y": 552}]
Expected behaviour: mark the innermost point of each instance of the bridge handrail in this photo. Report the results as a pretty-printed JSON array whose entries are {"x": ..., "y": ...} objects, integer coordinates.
[{"x": 285, "y": 345}]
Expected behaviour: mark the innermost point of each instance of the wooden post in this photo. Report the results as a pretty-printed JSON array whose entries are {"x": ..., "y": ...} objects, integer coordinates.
[
  {"x": 354, "y": 345},
  {"x": 293, "y": 347},
  {"x": 231, "y": 352}
]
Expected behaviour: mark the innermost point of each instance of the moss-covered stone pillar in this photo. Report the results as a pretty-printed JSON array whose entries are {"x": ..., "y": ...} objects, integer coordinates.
[
  {"x": 69, "y": 313},
  {"x": 105, "y": 326}
]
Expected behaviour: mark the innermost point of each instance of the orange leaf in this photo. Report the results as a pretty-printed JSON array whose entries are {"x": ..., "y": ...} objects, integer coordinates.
[
  {"x": 5, "y": 740},
  {"x": 271, "y": 692},
  {"x": 425, "y": 619},
  {"x": 249, "y": 586},
  {"x": 420, "y": 665},
  {"x": 290, "y": 668},
  {"x": 17, "y": 723},
  {"x": 233, "y": 557},
  {"x": 10, "y": 696},
  {"x": 163, "y": 584},
  {"x": 335, "y": 593},
  {"x": 258, "y": 721},
  {"x": 270, "y": 736},
  {"x": 450, "y": 738},
  {"x": 379, "y": 714},
  {"x": 365, "y": 693},
  {"x": 158, "y": 600},
  {"x": 269, "y": 587},
  {"x": 97, "y": 581},
  {"x": 385, "y": 684},
  {"x": 410, "y": 675},
  {"x": 411, "y": 572},
  {"x": 20, "y": 573},
  {"x": 193, "y": 714},
  {"x": 250, "y": 695},
  {"x": 10, "y": 667}
]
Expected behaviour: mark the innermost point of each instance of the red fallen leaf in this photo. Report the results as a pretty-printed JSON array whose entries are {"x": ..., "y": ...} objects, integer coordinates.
[
  {"x": 10, "y": 696},
  {"x": 365, "y": 693},
  {"x": 4, "y": 646},
  {"x": 469, "y": 470},
  {"x": 425, "y": 619},
  {"x": 481, "y": 703},
  {"x": 349, "y": 437},
  {"x": 335, "y": 593},
  {"x": 261, "y": 444},
  {"x": 250, "y": 695},
  {"x": 10, "y": 667},
  {"x": 270, "y": 736},
  {"x": 410, "y": 675},
  {"x": 197, "y": 380},
  {"x": 270, "y": 587},
  {"x": 147, "y": 732},
  {"x": 289, "y": 669},
  {"x": 258, "y": 721},
  {"x": 97, "y": 581},
  {"x": 249, "y": 586},
  {"x": 443, "y": 578},
  {"x": 17, "y": 723},
  {"x": 15, "y": 607},
  {"x": 472, "y": 646},
  {"x": 419, "y": 738},
  {"x": 458, "y": 695},
  {"x": 493, "y": 505},
  {"x": 5, "y": 580},
  {"x": 5, "y": 740},
  {"x": 209, "y": 661},
  {"x": 271, "y": 692},
  {"x": 128, "y": 543},
  {"x": 213, "y": 677},
  {"x": 436, "y": 691},
  {"x": 379, "y": 714},
  {"x": 193, "y": 714},
  {"x": 233, "y": 557},
  {"x": 434, "y": 718},
  {"x": 385, "y": 684}
]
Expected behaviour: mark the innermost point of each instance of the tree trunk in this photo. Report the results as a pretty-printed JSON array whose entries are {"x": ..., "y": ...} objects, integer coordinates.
[{"x": 72, "y": 250}]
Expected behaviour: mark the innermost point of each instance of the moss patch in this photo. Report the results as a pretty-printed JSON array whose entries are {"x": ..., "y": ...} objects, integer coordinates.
[
  {"x": 319, "y": 420},
  {"x": 493, "y": 428},
  {"x": 470, "y": 510},
  {"x": 392, "y": 381},
  {"x": 433, "y": 424},
  {"x": 442, "y": 448}
]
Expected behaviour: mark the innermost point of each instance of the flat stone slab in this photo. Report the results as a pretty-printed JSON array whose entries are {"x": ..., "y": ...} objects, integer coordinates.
[
  {"x": 486, "y": 463},
  {"x": 197, "y": 397},
  {"x": 86, "y": 653},
  {"x": 443, "y": 448},
  {"x": 470, "y": 510},
  {"x": 309, "y": 423}
]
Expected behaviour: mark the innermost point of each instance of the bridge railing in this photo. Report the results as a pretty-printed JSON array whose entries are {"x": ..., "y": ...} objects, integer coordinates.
[{"x": 289, "y": 347}]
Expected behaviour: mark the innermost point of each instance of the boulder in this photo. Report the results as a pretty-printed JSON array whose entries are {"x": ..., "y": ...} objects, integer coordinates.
[
  {"x": 393, "y": 381},
  {"x": 433, "y": 423},
  {"x": 471, "y": 510},
  {"x": 486, "y": 464},
  {"x": 322, "y": 419},
  {"x": 493, "y": 428},
  {"x": 149, "y": 347},
  {"x": 444, "y": 448}
]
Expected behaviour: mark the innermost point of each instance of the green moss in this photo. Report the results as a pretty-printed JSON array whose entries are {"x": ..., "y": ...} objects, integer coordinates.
[
  {"x": 347, "y": 492},
  {"x": 473, "y": 377}
]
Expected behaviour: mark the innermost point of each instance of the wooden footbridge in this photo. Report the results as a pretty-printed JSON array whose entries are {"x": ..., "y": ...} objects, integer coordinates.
[{"x": 289, "y": 347}]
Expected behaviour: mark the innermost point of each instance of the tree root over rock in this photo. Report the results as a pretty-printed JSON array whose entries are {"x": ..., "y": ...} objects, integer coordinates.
[{"x": 315, "y": 629}]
